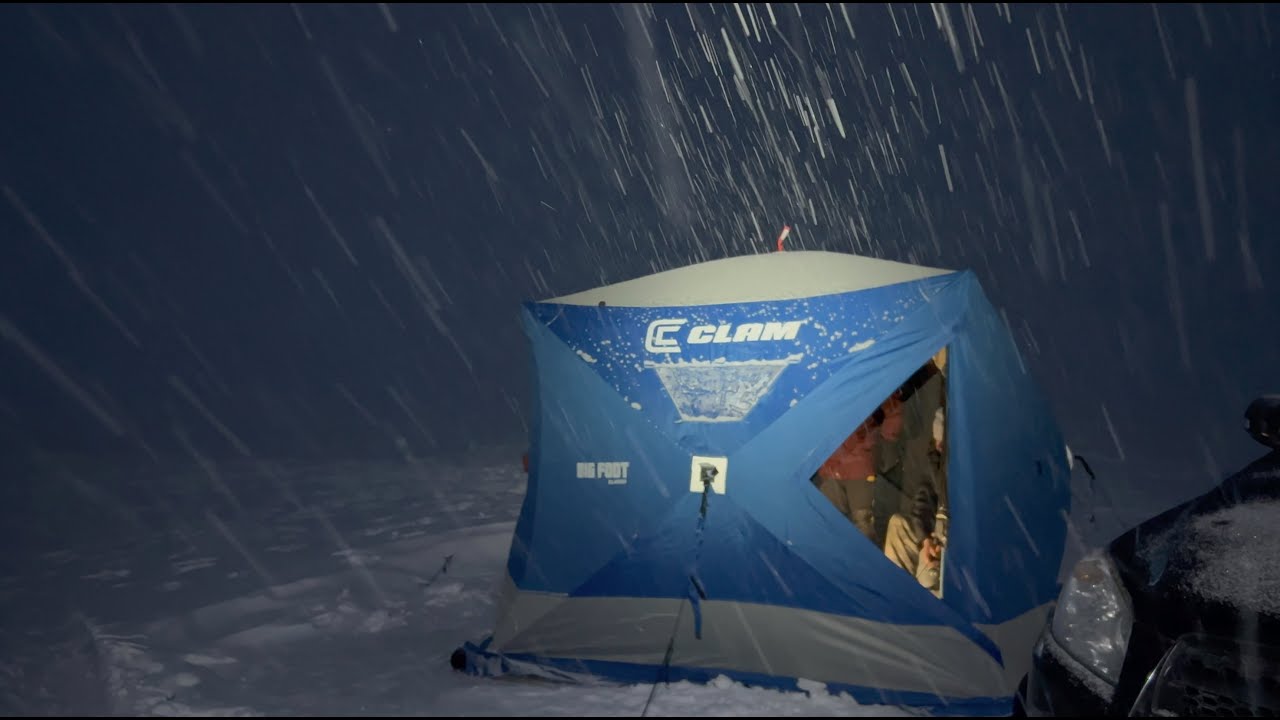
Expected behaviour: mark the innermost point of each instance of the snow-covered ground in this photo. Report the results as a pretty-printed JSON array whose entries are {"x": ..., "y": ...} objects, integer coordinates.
[{"x": 267, "y": 589}]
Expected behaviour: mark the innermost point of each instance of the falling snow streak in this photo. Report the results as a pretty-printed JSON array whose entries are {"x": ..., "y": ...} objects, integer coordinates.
[
  {"x": 328, "y": 223},
  {"x": 214, "y": 193},
  {"x": 426, "y": 298},
  {"x": 11, "y": 333},
  {"x": 159, "y": 100},
  {"x": 946, "y": 168},
  {"x": 360, "y": 126},
  {"x": 181, "y": 388},
  {"x": 386, "y": 15},
  {"x": 214, "y": 376},
  {"x": 1039, "y": 239},
  {"x": 408, "y": 411},
  {"x": 210, "y": 470},
  {"x": 1197, "y": 163},
  {"x": 73, "y": 270},
  {"x": 490, "y": 175},
  {"x": 1173, "y": 287},
  {"x": 1253, "y": 278},
  {"x": 1111, "y": 429},
  {"x": 942, "y": 17},
  {"x": 259, "y": 569}
]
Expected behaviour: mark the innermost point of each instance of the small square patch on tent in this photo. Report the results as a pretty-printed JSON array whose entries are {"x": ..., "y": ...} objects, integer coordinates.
[{"x": 711, "y": 469}]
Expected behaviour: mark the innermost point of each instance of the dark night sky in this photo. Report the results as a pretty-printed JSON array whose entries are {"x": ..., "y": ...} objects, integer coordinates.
[{"x": 304, "y": 231}]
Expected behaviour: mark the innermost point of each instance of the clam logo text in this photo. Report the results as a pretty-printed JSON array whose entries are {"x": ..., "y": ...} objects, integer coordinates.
[{"x": 658, "y": 338}]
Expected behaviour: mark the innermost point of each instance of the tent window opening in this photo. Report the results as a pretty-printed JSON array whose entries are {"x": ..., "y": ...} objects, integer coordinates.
[{"x": 889, "y": 477}]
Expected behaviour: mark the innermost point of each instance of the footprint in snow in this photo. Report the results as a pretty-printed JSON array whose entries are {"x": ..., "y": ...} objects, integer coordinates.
[
  {"x": 186, "y": 566},
  {"x": 202, "y": 660},
  {"x": 107, "y": 574}
]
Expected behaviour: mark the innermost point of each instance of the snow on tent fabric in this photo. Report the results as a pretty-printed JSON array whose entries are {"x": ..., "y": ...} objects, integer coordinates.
[{"x": 671, "y": 531}]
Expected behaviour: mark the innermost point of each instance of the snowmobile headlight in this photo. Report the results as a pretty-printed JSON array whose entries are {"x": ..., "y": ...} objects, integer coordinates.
[{"x": 1095, "y": 616}]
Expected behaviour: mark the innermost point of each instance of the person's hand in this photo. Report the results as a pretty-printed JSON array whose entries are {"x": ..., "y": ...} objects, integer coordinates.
[{"x": 931, "y": 552}]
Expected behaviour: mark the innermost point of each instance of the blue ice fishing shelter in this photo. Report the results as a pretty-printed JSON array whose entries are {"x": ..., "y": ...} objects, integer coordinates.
[{"x": 671, "y": 531}]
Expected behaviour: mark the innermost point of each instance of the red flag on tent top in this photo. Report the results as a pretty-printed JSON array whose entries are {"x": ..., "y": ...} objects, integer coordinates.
[{"x": 782, "y": 237}]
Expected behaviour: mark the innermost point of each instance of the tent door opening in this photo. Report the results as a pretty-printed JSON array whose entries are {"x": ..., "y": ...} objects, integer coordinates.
[{"x": 889, "y": 477}]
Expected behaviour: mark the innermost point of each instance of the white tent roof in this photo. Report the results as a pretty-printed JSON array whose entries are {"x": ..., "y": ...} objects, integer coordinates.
[{"x": 754, "y": 278}]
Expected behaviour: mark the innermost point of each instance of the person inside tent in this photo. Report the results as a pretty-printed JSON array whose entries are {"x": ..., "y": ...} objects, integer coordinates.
[
  {"x": 915, "y": 533},
  {"x": 848, "y": 477}
]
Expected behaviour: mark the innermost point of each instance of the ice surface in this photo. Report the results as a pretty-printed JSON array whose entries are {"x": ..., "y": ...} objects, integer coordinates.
[{"x": 360, "y": 624}]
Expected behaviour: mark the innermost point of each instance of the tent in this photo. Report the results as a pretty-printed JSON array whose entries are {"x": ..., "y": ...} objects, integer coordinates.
[{"x": 671, "y": 529}]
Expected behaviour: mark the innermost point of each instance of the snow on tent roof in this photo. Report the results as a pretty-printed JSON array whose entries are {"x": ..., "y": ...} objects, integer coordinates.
[{"x": 754, "y": 278}]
